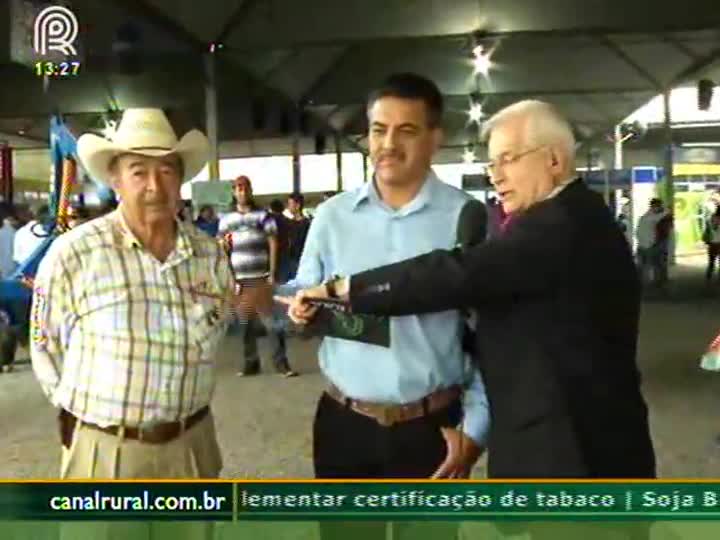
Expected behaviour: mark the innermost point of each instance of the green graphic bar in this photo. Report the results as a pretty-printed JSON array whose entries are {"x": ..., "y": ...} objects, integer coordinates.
[
  {"x": 346, "y": 501},
  {"x": 479, "y": 501},
  {"x": 116, "y": 501}
]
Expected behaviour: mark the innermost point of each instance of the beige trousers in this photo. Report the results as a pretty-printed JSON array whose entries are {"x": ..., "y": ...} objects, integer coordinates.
[{"x": 94, "y": 454}]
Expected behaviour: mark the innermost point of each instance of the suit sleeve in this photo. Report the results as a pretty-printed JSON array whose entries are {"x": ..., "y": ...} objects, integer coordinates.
[{"x": 530, "y": 258}]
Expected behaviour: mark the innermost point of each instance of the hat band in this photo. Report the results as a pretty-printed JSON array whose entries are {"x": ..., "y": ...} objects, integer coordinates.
[{"x": 165, "y": 148}]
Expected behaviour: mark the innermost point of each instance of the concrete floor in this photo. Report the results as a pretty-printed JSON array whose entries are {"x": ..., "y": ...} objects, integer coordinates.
[{"x": 264, "y": 423}]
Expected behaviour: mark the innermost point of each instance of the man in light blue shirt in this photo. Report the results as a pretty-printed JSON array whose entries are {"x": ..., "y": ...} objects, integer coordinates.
[{"x": 422, "y": 381}]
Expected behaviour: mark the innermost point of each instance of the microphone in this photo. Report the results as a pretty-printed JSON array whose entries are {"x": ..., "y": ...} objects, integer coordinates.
[
  {"x": 471, "y": 231},
  {"x": 472, "y": 224}
]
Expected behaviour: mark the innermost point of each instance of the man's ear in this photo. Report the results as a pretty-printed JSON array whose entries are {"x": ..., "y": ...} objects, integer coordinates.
[
  {"x": 554, "y": 161},
  {"x": 557, "y": 160},
  {"x": 113, "y": 181}
]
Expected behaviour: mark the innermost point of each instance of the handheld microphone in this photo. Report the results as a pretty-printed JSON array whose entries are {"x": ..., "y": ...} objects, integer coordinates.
[{"x": 472, "y": 224}]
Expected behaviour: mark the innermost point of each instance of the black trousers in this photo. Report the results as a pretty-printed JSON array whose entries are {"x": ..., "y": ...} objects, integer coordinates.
[
  {"x": 713, "y": 251},
  {"x": 349, "y": 445}
]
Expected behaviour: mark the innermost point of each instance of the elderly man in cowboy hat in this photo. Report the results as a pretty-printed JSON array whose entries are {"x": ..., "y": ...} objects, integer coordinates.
[{"x": 127, "y": 315}]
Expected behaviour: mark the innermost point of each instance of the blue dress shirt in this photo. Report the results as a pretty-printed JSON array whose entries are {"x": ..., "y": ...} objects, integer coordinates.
[{"x": 356, "y": 231}]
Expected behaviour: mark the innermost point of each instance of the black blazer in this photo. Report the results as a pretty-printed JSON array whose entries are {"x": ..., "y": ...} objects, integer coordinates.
[{"x": 558, "y": 301}]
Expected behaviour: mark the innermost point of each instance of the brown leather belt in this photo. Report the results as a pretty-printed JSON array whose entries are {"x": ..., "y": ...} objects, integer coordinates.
[
  {"x": 160, "y": 433},
  {"x": 387, "y": 414}
]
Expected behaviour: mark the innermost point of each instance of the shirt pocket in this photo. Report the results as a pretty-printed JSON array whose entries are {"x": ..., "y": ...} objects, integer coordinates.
[
  {"x": 107, "y": 311},
  {"x": 207, "y": 327}
]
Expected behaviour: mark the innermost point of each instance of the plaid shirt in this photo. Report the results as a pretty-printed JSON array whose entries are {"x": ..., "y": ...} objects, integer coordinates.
[{"x": 119, "y": 338}]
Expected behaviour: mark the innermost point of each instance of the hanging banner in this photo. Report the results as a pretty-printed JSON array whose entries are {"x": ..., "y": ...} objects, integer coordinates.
[{"x": 6, "y": 173}]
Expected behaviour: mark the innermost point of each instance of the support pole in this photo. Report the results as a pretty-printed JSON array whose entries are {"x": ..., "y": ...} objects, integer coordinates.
[
  {"x": 338, "y": 163},
  {"x": 297, "y": 188},
  {"x": 669, "y": 194},
  {"x": 211, "y": 114}
]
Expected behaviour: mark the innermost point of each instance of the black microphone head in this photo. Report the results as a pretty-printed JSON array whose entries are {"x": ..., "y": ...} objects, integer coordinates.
[{"x": 472, "y": 224}]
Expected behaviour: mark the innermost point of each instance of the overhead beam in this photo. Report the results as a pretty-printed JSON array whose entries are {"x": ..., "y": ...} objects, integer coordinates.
[
  {"x": 28, "y": 138},
  {"x": 235, "y": 19},
  {"x": 279, "y": 43},
  {"x": 512, "y": 94},
  {"x": 562, "y": 92},
  {"x": 326, "y": 75},
  {"x": 158, "y": 18},
  {"x": 696, "y": 67},
  {"x": 625, "y": 57},
  {"x": 680, "y": 46},
  {"x": 270, "y": 73}
]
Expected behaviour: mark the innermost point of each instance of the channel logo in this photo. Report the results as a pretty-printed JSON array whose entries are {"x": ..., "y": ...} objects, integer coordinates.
[{"x": 56, "y": 29}]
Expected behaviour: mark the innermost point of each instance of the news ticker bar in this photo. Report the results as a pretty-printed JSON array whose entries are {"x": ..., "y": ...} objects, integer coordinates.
[{"x": 297, "y": 501}]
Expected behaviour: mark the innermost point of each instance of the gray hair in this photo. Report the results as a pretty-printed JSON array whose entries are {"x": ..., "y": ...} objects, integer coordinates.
[{"x": 545, "y": 125}]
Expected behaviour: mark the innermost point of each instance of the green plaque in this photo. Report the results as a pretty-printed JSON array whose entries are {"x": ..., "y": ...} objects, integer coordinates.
[
  {"x": 370, "y": 329},
  {"x": 218, "y": 193}
]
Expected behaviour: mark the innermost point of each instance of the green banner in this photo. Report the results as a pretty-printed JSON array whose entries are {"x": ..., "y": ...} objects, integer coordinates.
[
  {"x": 479, "y": 501},
  {"x": 359, "y": 501}
]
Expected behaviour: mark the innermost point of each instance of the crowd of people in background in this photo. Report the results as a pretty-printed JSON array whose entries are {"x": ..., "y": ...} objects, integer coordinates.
[{"x": 253, "y": 228}]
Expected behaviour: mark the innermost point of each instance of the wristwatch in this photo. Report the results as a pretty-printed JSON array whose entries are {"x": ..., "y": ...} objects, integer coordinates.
[{"x": 330, "y": 286}]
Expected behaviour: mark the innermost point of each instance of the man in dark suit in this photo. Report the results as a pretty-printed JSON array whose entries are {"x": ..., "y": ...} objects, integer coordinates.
[{"x": 558, "y": 297}]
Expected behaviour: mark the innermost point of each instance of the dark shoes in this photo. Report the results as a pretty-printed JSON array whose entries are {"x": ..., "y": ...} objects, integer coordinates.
[{"x": 283, "y": 369}]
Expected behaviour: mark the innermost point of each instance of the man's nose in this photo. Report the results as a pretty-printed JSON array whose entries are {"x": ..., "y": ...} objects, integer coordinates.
[
  {"x": 496, "y": 178},
  {"x": 153, "y": 180},
  {"x": 389, "y": 140}
]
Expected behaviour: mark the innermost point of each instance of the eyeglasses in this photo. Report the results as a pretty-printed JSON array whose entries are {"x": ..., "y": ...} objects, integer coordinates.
[{"x": 507, "y": 159}]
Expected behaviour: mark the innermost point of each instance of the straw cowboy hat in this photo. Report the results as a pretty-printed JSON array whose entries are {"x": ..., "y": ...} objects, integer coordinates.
[{"x": 146, "y": 132}]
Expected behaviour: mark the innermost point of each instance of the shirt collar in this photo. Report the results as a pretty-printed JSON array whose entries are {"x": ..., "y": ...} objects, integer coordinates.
[
  {"x": 127, "y": 239},
  {"x": 368, "y": 192},
  {"x": 562, "y": 185}
]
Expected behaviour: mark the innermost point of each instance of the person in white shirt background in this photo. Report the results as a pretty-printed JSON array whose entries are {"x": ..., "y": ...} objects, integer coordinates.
[
  {"x": 30, "y": 236},
  {"x": 650, "y": 260},
  {"x": 8, "y": 229}
]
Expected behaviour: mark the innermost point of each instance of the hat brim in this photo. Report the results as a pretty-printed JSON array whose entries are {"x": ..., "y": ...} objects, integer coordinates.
[{"x": 96, "y": 153}]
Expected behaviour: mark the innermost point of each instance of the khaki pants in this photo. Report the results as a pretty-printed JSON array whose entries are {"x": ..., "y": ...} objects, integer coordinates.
[{"x": 94, "y": 454}]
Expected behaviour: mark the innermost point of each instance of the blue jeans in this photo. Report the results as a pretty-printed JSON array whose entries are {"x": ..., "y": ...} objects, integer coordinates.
[{"x": 251, "y": 331}]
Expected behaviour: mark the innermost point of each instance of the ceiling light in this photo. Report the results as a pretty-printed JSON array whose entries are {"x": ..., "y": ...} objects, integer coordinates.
[
  {"x": 481, "y": 59},
  {"x": 476, "y": 109},
  {"x": 690, "y": 125},
  {"x": 476, "y": 112},
  {"x": 699, "y": 144}
]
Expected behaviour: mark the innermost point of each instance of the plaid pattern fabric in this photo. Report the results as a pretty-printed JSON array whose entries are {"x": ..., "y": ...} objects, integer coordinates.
[{"x": 119, "y": 338}]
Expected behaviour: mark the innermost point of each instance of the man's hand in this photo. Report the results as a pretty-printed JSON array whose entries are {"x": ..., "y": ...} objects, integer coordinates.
[
  {"x": 462, "y": 453},
  {"x": 299, "y": 311}
]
